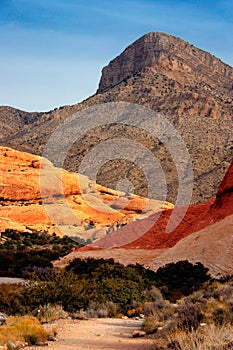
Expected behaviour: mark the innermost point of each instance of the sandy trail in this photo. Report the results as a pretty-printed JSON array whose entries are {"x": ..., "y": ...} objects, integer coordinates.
[{"x": 98, "y": 334}]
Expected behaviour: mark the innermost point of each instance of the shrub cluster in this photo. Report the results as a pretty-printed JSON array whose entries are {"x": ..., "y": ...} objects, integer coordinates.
[
  {"x": 202, "y": 320},
  {"x": 22, "y": 252},
  {"x": 90, "y": 281}
]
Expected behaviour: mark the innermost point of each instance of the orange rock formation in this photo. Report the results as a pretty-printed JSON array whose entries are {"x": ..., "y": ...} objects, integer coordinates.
[{"x": 36, "y": 195}]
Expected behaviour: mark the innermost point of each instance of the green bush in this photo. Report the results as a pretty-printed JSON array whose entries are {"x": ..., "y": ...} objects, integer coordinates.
[
  {"x": 21, "y": 253},
  {"x": 109, "y": 281},
  {"x": 181, "y": 279}
]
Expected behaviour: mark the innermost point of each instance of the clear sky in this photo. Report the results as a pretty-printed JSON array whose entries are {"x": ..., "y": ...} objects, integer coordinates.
[{"x": 52, "y": 51}]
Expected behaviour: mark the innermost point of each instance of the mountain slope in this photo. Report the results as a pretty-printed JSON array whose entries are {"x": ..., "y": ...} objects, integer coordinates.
[
  {"x": 204, "y": 235},
  {"x": 188, "y": 86},
  {"x": 150, "y": 233},
  {"x": 212, "y": 246}
]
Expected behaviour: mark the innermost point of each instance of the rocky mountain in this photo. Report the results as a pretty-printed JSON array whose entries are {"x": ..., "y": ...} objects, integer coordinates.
[
  {"x": 188, "y": 86},
  {"x": 171, "y": 56},
  {"x": 36, "y": 195}
]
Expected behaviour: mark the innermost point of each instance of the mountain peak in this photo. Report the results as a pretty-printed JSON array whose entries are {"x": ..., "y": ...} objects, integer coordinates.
[{"x": 164, "y": 53}]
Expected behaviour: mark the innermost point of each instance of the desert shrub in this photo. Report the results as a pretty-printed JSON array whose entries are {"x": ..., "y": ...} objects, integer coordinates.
[
  {"x": 73, "y": 292},
  {"x": 211, "y": 306},
  {"x": 186, "y": 315},
  {"x": 60, "y": 288},
  {"x": 104, "y": 282},
  {"x": 14, "y": 263},
  {"x": 220, "y": 290},
  {"x": 23, "y": 251},
  {"x": 135, "y": 309},
  {"x": 12, "y": 299},
  {"x": 109, "y": 309},
  {"x": 152, "y": 324},
  {"x": 219, "y": 312},
  {"x": 79, "y": 315},
  {"x": 107, "y": 281},
  {"x": 158, "y": 314},
  {"x": 26, "y": 328},
  {"x": 161, "y": 310},
  {"x": 222, "y": 316},
  {"x": 112, "y": 309},
  {"x": 9, "y": 334},
  {"x": 48, "y": 313},
  {"x": 190, "y": 314},
  {"x": 153, "y": 294}
]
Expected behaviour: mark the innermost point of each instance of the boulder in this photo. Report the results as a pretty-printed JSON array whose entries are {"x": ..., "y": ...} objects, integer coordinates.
[{"x": 138, "y": 334}]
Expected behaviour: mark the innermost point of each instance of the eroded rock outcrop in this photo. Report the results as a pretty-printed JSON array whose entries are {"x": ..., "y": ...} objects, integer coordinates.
[
  {"x": 34, "y": 194},
  {"x": 212, "y": 246}
]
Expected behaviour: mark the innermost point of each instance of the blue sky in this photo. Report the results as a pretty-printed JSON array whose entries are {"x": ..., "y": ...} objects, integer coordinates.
[{"x": 52, "y": 51}]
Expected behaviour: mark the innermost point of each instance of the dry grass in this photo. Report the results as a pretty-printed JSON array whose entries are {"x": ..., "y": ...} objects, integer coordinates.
[
  {"x": 48, "y": 313},
  {"x": 152, "y": 324},
  {"x": 26, "y": 329},
  {"x": 208, "y": 337}
]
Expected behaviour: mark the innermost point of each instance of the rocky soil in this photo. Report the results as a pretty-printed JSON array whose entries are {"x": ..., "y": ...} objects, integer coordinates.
[{"x": 122, "y": 255}]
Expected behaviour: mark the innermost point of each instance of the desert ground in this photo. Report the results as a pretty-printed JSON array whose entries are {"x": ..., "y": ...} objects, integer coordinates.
[{"x": 98, "y": 334}]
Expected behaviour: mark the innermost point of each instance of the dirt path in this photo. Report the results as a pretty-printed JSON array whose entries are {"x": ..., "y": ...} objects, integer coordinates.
[
  {"x": 9, "y": 280},
  {"x": 98, "y": 334}
]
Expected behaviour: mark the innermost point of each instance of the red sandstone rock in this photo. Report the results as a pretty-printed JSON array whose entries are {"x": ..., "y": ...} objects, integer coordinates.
[{"x": 150, "y": 233}]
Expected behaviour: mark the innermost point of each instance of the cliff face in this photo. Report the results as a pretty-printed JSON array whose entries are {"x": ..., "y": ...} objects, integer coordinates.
[
  {"x": 189, "y": 87},
  {"x": 166, "y": 54}
]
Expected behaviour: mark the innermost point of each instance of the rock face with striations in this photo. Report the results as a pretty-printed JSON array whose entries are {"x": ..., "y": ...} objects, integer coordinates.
[
  {"x": 166, "y": 53},
  {"x": 186, "y": 85}
]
